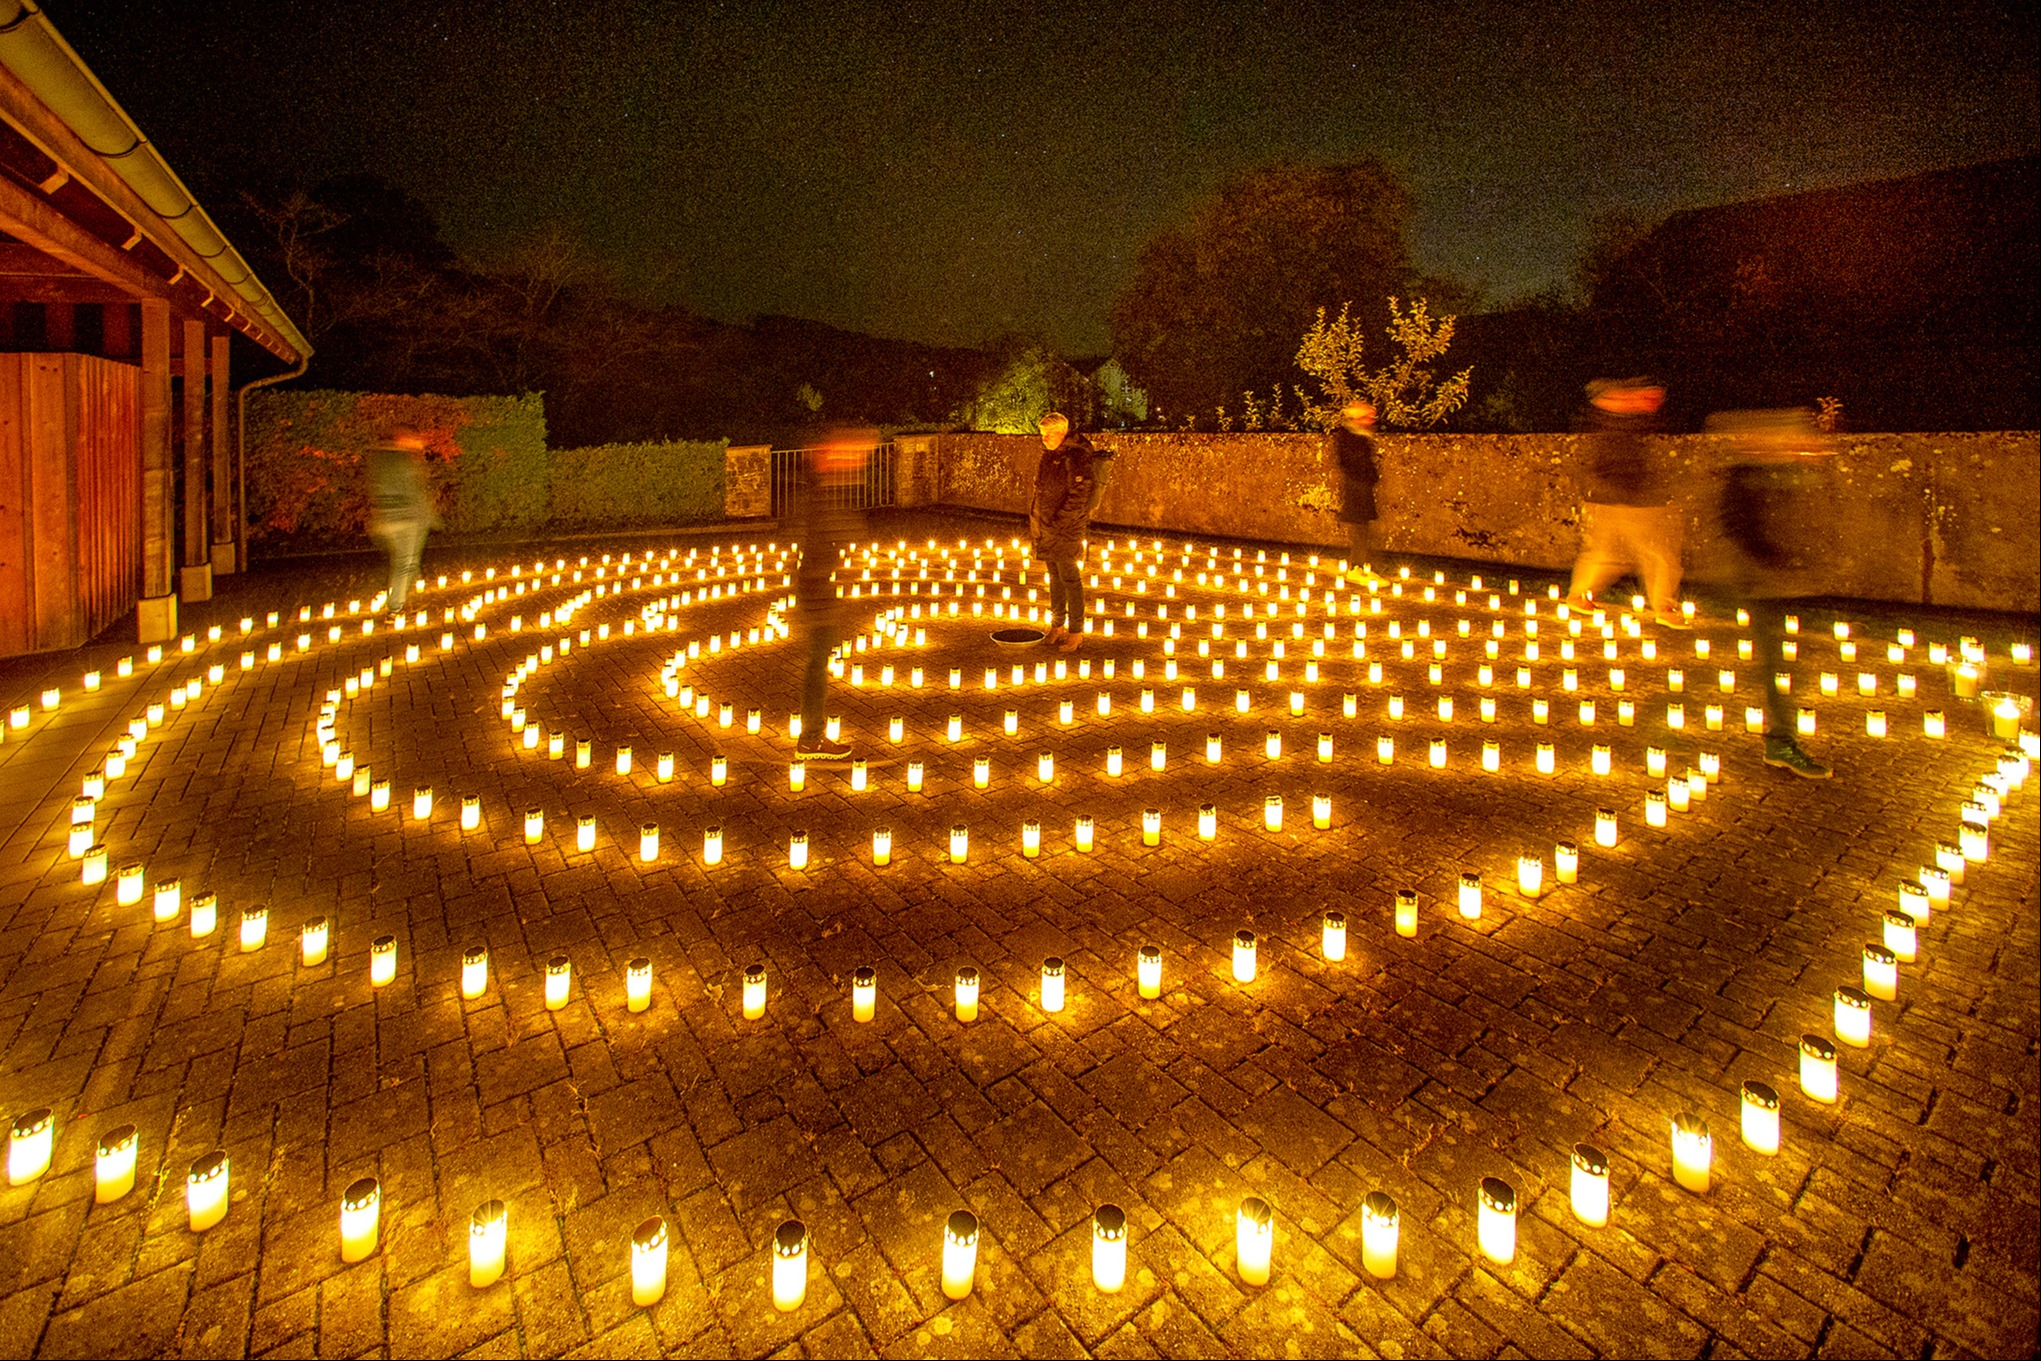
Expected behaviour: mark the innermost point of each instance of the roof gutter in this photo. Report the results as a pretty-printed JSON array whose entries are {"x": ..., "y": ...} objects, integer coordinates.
[{"x": 37, "y": 55}]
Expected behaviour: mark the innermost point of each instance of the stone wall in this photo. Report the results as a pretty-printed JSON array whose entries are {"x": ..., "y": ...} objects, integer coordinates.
[
  {"x": 747, "y": 482},
  {"x": 1947, "y": 519}
]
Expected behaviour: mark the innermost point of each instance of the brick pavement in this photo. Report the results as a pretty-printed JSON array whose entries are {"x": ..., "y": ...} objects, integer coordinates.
[{"x": 1685, "y": 961}]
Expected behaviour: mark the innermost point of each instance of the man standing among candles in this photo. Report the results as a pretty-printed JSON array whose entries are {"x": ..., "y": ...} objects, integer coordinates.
[
  {"x": 1353, "y": 452},
  {"x": 1628, "y": 523},
  {"x": 832, "y": 473},
  {"x": 400, "y": 507},
  {"x": 1066, "y": 485}
]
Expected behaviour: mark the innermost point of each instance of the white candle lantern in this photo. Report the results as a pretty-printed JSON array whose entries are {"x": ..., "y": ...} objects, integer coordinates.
[
  {"x": 1148, "y": 971},
  {"x": 1254, "y": 1238},
  {"x": 1530, "y": 876},
  {"x": 754, "y": 991},
  {"x": 205, "y": 915},
  {"x": 960, "y": 1254},
  {"x": 882, "y": 846},
  {"x": 1245, "y": 950},
  {"x": 1548, "y": 758},
  {"x": 1385, "y": 750},
  {"x": 312, "y": 939},
  {"x": 1853, "y": 1017},
  {"x": 205, "y": 1191},
  {"x": 960, "y": 843},
  {"x": 534, "y": 825},
  {"x": 254, "y": 927},
  {"x": 789, "y": 1266},
  {"x": 967, "y": 993},
  {"x": 1272, "y": 812},
  {"x": 1438, "y": 753},
  {"x": 1589, "y": 1186},
  {"x": 1470, "y": 895},
  {"x": 128, "y": 885},
  {"x": 559, "y": 981},
  {"x": 1324, "y": 747},
  {"x": 1496, "y": 1227},
  {"x": 638, "y": 984},
  {"x": 1654, "y": 808},
  {"x": 1881, "y": 972},
  {"x": 361, "y": 1207},
  {"x": 1566, "y": 862},
  {"x": 474, "y": 971},
  {"x": 1600, "y": 760},
  {"x": 648, "y": 1262},
  {"x": 382, "y": 961},
  {"x": 114, "y": 1164},
  {"x": 1158, "y": 755},
  {"x": 1109, "y": 1248},
  {"x": 30, "y": 1143},
  {"x": 623, "y": 760},
  {"x": 1332, "y": 936},
  {"x": 1052, "y": 984},
  {"x": 1900, "y": 936},
  {"x": 1693, "y": 1151},
  {"x": 1760, "y": 1109},
  {"x": 488, "y": 1236},
  {"x": 1381, "y": 1227},
  {"x": 1818, "y": 1068},
  {"x": 712, "y": 845},
  {"x": 168, "y": 900}
]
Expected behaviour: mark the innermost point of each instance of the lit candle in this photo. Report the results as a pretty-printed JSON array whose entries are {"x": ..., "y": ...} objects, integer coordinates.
[
  {"x": 1693, "y": 1150},
  {"x": 1470, "y": 895},
  {"x": 663, "y": 767},
  {"x": 471, "y": 812},
  {"x": 960, "y": 1253},
  {"x": 864, "y": 993},
  {"x": 29, "y": 1145},
  {"x": 534, "y": 825},
  {"x": 1084, "y": 831},
  {"x": 1109, "y": 1248},
  {"x": 361, "y": 1208},
  {"x": 1530, "y": 876},
  {"x": 1496, "y": 1227},
  {"x": 1381, "y": 1226},
  {"x": 1158, "y": 755},
  {"x": 1272, "y": 812},
  {"x": 559, "y": 980},
  {"x": 114, "y": 1165},
  {"x": 1548, "y": 758},
  {"x": 168, "y": 900},
  {"x": 754, "y": 991},
  {"x": 1148, "y": 971},
  {"x": 960, "y": 843},
  {"x": 712, "y": 845},
  {"x": 312, "y": 941},
  {"x": 382, "y": 961},
  {"x": 1254, "y": 1238},
  {"x": 623, "y": 760},
  {"x": 1566, "y": 862},
  {"x": 1590, "y": 1185},
  {"x": 1881, "y": 972},
  {"x": 1332, "y": 936},
  {"x": 1760, "y": 1118},
  {"x": 1385, "y": 750},
  {"x": 254, "y": 927},
  {"x": 1900, "y": 936},
  {"x": 128, "y": 885},
  {"x": 1654, "y": 808},
  {"x": 1244, "y": 952},
  {"x": 1853, "y": 1017},
  {"x": 967, "y": 993},
  {"x": 1406, "y": 912},
  {"x": 205, "y": 1191},
  {"x": 488, "y": 1234},
  {"x": 648, "y": 1262},
  {"x": 1052, "y": 984}
]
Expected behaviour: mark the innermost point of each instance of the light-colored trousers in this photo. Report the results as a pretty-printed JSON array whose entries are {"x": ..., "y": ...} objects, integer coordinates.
[{"x": 1616, "y": 539}]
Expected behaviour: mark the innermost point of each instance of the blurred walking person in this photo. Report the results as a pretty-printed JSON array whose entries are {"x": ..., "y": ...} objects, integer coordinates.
[
  {"x": 1627, "y": 523},
  {"x": 1353, "y": 453},
  {"x": 1066, "y": 490},
  {"x": 400, "y": 507},
  {"x": 831, "y": 475},
  {"x": 1771, "y": 456}
]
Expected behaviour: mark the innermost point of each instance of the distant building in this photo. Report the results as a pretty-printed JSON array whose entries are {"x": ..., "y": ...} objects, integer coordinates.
[{"x": 1911, "y": 300}]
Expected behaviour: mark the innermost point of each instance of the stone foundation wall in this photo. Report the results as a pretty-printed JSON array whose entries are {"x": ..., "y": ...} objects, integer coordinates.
[{"x": 1946, "y": 519}]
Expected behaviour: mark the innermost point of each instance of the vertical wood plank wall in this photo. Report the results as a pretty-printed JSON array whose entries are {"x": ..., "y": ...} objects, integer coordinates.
[{"x": 70, "y": 498}]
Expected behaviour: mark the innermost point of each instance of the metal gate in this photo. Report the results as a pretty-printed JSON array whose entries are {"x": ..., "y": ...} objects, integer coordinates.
[{"x": 870, "y": 492}]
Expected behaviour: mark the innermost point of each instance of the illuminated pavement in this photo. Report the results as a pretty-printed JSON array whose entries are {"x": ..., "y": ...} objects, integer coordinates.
[{"x": 1686, "y": 960}]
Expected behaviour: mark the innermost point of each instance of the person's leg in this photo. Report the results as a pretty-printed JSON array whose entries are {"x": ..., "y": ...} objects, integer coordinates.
[
  {"x": 1058, "y": 603},
  {"x": 822, "y": 640},
  {"x": 1656, "y": 545},
  {"x": 1601, "y": 560},
  {"x": 1072, "y": 576},
  {"x": 406, "y": 558},
  {"x": 1782, "y": 742},
  {"x": 1364, "y": 541}
]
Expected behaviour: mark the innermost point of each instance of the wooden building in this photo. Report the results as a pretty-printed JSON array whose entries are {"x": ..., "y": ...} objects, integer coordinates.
[{"x": 124, "y": 314}]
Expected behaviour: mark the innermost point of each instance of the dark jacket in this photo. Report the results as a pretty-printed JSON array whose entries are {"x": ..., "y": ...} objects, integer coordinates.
[
  {"x": 1614, "y": 466},
  {"x": 1355, "y": 455},
  {"x": 1065, "y": 485}
]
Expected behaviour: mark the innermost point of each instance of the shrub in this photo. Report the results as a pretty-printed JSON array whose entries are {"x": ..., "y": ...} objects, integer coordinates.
[{"x": 637, "y": 484}]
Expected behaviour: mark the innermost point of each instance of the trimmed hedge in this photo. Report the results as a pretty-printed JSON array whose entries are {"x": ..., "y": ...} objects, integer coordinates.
[{"x": 489, "y": 465}]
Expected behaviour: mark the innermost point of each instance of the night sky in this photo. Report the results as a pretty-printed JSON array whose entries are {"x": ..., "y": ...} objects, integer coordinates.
[{"x": 953, "y": 172}]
